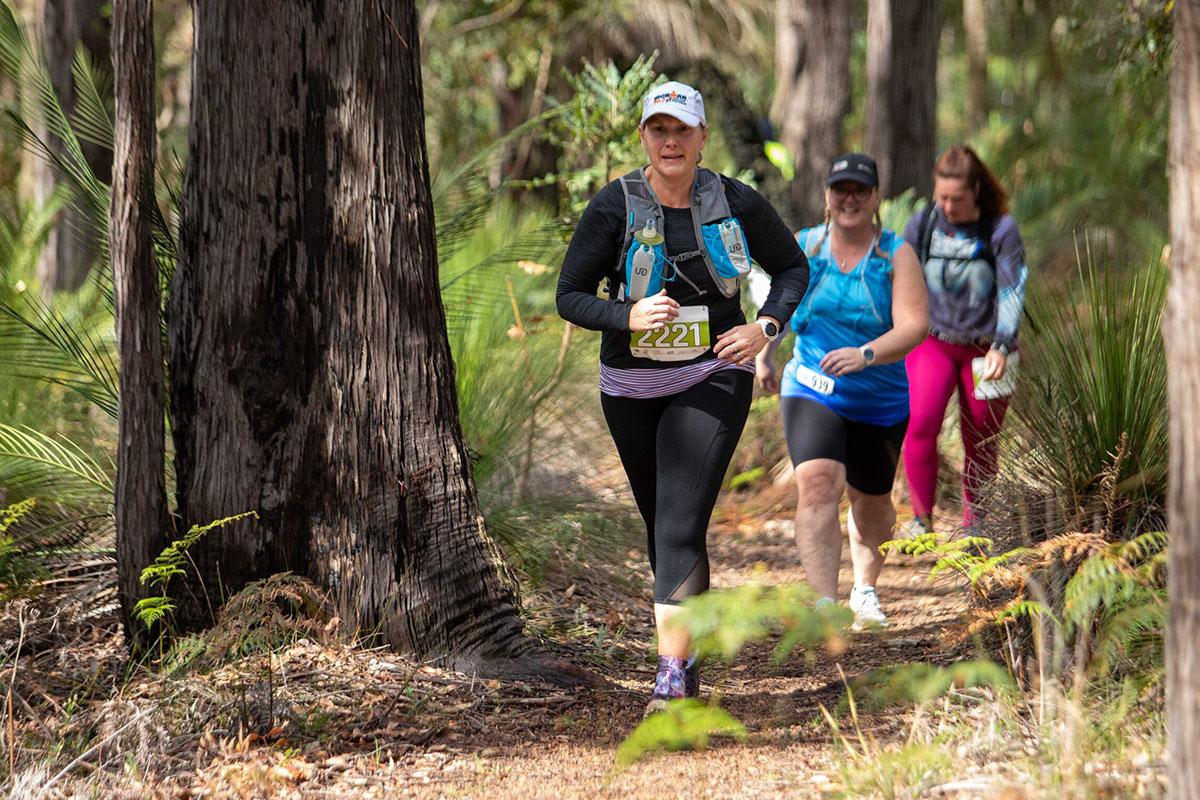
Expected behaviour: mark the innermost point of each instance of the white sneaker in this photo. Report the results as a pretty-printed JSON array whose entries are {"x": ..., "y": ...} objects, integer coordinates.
[
  {"x": 912, "y": 529},
  {"x": 865, "y": 605}
]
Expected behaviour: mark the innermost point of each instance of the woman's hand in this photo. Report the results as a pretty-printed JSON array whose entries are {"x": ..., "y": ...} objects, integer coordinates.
[
  {"x": 995, "y": 364},
  {"x": 653, "y": 312},
  {"x": 843, "y": 361},
  {"x": 741, "y": 344},
  {"x": 764, "y": 372}
]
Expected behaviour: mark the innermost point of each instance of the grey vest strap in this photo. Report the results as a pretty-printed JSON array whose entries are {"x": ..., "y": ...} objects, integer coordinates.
[{"x": 709, "y": 205}]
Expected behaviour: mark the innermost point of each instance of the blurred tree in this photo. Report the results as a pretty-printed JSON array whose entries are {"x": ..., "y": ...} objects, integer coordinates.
[
  {"x": 1064, "y": 76},
  {"x": 902, "y": 45},
  {"x": 975, "y": 30},
  {"x": 490, "y": 65},
  {"x": 1181, "y": 328},
  {"x": 812, "y": 93},
  {"x": 140, "y": 496},
  {"x": 67, "y": 26}
]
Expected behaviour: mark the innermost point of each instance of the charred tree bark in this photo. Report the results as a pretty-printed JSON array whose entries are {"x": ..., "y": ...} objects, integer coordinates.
[
  {"x": 812, "y": 94},
  {"x": 1181, "y": 329},
  {"x": 975, "y": 30},
  {"x": 310, "y": 368},
  {"x": 141, "y": 502},
  {"x": 72, "y": 247},
  {"x": 902, "y": 37}
]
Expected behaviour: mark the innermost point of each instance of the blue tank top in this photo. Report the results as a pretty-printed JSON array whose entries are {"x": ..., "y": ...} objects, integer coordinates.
[{"x": 846, "y": 309}]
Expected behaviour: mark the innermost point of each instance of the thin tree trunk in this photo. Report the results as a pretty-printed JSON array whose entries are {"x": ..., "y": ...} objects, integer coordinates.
[
  {"x": 975, "y": 28},
  {"x": 72, "y": 247},
  {"x": 812, "y": 95},
  {"x": 141, "y": 503},
  {"x": 310, "y": 368},
  {"x": 1181, "y": 328},
  {"x": 902, "y": 38}
]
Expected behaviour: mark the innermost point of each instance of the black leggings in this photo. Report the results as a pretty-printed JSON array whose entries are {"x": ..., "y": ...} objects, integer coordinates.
[{"x": 675, "y": 451}]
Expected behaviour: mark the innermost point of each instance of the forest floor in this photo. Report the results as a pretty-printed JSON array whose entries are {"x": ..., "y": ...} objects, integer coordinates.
[
  {"x": 316, "y": 718},
  {"x": 322, "y": 721}
]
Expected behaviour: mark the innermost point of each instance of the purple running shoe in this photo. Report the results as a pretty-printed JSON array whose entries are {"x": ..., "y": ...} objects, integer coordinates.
[{"x": 669, "y": 684}]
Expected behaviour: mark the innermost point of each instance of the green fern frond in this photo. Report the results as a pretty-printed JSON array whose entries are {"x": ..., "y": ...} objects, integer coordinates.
[
  {"x": 682, "y": 725},
  {"x": 1024, "y": 609},
  {"x": 172, "y": 560},
  {"x": 150, "y": 611},
  {"x": 920, "y": 682},
  {"x": 918, "y": 545},
  {"x": 1133, "y": 634},
  {"x": 1144, "y": 546},
  {"x": 14, "y": 512}
]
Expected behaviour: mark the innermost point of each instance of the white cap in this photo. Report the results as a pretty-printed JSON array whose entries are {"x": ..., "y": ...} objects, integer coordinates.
[{"x": 676, "y": 100}]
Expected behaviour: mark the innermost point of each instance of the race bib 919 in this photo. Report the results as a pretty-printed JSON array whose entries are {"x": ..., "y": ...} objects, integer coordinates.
[
  {"x": 682, "y": 338},
  {"x": 819, "y": 383}
]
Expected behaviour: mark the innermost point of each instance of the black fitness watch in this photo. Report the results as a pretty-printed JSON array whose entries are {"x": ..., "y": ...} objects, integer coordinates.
[{"x": 868, "y": 354}]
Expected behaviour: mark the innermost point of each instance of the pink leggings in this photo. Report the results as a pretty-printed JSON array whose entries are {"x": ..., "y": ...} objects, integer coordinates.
[{"x": 935, "y": 370}]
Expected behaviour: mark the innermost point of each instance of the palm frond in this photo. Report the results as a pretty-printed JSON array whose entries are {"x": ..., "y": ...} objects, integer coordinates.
[
  {"x": 43, "y": 345},
  {"x": 34, "y": 464},
  {"x": 93, "y": 116}
]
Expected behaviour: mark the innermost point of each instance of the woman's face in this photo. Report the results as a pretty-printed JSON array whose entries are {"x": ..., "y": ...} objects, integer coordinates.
[
  {"x": 956, "y": 199},
  {"x": 672, "y": 146},
  {"x": 851, "y": 204}
]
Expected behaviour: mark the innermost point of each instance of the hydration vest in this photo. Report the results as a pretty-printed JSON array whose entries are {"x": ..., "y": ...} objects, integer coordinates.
[
  {"x": 643, "y": 260},
  {"x": 928, "y": 222}
]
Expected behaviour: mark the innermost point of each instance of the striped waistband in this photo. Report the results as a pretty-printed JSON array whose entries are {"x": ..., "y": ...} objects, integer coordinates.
[{"x": 660, "y": 382}]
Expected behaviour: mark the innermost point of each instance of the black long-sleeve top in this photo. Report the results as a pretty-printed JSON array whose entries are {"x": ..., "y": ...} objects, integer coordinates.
[{"x": 597, "y": 244}]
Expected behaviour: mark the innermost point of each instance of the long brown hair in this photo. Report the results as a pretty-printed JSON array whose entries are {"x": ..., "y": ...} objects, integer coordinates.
[{"x": 963, "y": 163}]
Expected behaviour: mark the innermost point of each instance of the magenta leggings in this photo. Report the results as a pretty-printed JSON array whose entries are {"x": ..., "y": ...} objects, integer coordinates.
[{"x": 935, "y": 370}]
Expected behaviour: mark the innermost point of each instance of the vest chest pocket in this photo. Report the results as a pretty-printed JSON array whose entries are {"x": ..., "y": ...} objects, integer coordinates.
[{"x": 681, "y": 339}]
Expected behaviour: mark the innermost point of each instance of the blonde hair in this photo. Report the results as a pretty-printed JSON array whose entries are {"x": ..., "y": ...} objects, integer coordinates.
[{"x": 877, "y": 224}]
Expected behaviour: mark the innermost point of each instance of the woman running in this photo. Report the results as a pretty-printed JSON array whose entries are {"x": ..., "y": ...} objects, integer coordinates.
[
  {"x": 844, "y": 391},
  {"x": 974, "y": 264},
  {"x": 671, "y": 241}
]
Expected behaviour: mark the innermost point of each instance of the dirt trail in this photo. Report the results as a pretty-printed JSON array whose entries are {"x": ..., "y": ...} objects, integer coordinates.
[{"x": 569, "y": 753}]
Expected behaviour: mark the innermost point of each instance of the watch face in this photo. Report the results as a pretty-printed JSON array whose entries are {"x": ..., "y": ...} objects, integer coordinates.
[
  {"x": 771, "y": 329},
  {"x": 868, "y": 354}
]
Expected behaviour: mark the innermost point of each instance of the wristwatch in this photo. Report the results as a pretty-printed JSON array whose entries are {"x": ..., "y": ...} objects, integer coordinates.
[
  {"x": 868, "y": 354},
  {"x": 769, "y": 328}
]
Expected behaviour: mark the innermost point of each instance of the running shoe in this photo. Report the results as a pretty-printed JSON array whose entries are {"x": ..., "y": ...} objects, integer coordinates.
[
  {"x": 912, "y": 529},
  {"x": 691, "y": 678},
  {"x": 865, "y": 605},
  {"x": 669, "y": 684}
]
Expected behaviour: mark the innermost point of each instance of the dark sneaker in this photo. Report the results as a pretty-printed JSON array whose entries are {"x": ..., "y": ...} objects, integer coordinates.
[
  {"x": 669, "y": 684},
  {"x": 691, "y": 678}
]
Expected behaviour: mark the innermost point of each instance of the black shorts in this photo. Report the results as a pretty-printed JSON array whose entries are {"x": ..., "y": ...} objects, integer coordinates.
[{"x": 870, "y": 452}]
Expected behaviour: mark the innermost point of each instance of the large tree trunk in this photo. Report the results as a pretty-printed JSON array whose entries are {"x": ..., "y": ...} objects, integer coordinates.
[
  {"x": 975, "y": 30},
  {"x": 812, "y": 93},
  {"x": 902, "y": 38},
  {"x": 310, "y": 368},
  {"x": 1181, "y": 328},
  {"x": 141, "y": 503},
  {"x": 72, "y": 247}
]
